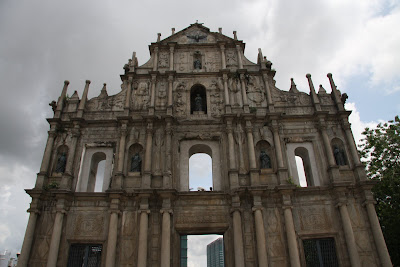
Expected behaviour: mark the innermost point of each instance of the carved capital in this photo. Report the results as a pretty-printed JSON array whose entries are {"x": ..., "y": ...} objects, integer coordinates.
[
  {"x": 167, "y": 211},
  {"x": 144, "y": 210},
  {"x": 255, "y": 208}
]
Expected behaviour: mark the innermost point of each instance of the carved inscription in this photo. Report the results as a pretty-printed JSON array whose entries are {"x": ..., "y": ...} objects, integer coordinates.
[
  {"x": 89, "y": 225},
  {"x": 206, "y": 217}
]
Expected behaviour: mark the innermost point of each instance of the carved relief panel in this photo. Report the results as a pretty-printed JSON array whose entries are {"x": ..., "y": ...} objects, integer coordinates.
[
  {"x": 141, "y": 95},
  {"x": 181, "y": 61}
]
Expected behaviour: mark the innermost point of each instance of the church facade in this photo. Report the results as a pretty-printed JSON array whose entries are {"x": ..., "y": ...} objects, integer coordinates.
[{"x": 198, "y": 93}]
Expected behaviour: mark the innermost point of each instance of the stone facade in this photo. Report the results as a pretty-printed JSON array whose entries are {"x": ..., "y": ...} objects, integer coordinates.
[{"x": 199, "y": 94}]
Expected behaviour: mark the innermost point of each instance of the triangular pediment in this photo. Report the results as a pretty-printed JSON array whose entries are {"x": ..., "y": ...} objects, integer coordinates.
[{"x": 196, "y": 34}]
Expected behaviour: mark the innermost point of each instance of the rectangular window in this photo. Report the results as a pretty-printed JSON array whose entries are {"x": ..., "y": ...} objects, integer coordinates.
[
  {"x": 320, "y": 252},
  {"x": 84, "y": 255}
]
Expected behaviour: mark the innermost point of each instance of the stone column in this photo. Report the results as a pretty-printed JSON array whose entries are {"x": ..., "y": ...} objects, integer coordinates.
[
  {"x": 112, "y": 233},
  {"x": 171, "y": 56},
  {"x": 254, "y": 172},
  {"x": 166, "y": 238},
  {"x": 244, "y": 94},
  {"x": 155, "y": 62},
  {"x": 260, "y": 233},
  {"x": 121, "y": 150},
  {"x": 143, "y": 229},
  {"x": 250, "y": 145},
  {"x": 231, "y": 145},
  {"x": 128, "y": 94},
  {"x": 55, "y": 239},
  {"x": 226, "y": 91},
  {"x": 238, "y": 239},
  {"x": 239, "y": 54},
  {"x": 349, "y": 235},
  {"x": 44, "y": 168},
  {"x": 268, "y": 92},
  {"x": 240, "y": 137},
  {"x": 61, "y": 100},
  {"x": 327, "y": 144},
  {"x": 378, "y": 236},
  {"x": 277, "y": 143},
  {"x": 352, "y": 144},
  {"x": 170, "y": 85},
  {"x": 82, "y": 103},
  {"x": 27, "y": 244},
  {"x": 66, "y": 180},
  {"x": 153, "y": 90},
  {"x": 223, "y": 60},
  {"x": 291, "y": 237},
  {"x": 168, "y": 155},
  {"x": 359, "y": 167},
  {"x": 147, "y": 157}
]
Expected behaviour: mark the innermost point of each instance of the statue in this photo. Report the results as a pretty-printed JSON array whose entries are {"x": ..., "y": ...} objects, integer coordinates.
[
  {"x": 339, "y": 156},
  {"x": 197, "y": 64},
  {"x": 198, "y": 103},
  {"x": 265, "y": 161},
  {"x": 136, "y": 163},
  {"x": 61, "y": 163}
]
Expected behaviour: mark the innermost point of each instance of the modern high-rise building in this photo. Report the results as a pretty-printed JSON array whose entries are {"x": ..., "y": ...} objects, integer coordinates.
[
  {"x": 215, "y": 253},
  {"x": 198, "y": 93}
]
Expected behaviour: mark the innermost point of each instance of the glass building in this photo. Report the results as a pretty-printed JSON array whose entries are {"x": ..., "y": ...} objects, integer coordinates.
[{"x": 215, "y": 253}]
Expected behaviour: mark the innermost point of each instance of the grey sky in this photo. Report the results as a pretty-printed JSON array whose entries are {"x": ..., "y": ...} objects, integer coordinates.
[{"x": 44, "y": 43}]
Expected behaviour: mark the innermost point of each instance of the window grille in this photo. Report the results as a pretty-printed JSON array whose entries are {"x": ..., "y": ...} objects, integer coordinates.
[
  {"x": 83, "y": 255},
  {"x": 320, "y": 252}
]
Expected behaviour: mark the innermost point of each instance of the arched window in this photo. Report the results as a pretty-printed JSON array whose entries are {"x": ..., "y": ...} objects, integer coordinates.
[
  {"x": 198, "y": 99},
  {"x": 209, "y": 154},
  {"x": 303, "y": 167},
  {"x": 96, "y": 179},
  {"x": 301, "y": 171},
  {"x": 303, "y": 158},
  {"x": 95, "y": 170}
]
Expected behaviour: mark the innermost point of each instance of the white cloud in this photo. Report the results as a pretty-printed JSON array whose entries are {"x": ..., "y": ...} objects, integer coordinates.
[
  {"x": 197, "y": 249},
  {"x": 358, "y": 126}
]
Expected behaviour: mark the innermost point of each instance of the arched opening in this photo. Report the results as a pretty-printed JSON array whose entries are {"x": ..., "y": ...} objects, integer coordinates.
[
  {"x": 200, "y": 172},
  {"x": 339, "y": 152},
  {"x": 200, "y": 168},
  {"x": 93, "y": 182},
  {"x": 198, "y": 99},
  {"x": 304, "y": 160}
]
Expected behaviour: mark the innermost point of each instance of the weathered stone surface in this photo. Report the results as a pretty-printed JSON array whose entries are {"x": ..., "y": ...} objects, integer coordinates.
[{"x": 138, "y": 215}]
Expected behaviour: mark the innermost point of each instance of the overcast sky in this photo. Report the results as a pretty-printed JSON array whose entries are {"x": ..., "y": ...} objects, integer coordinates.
[{"x": 44, "y": 43}]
